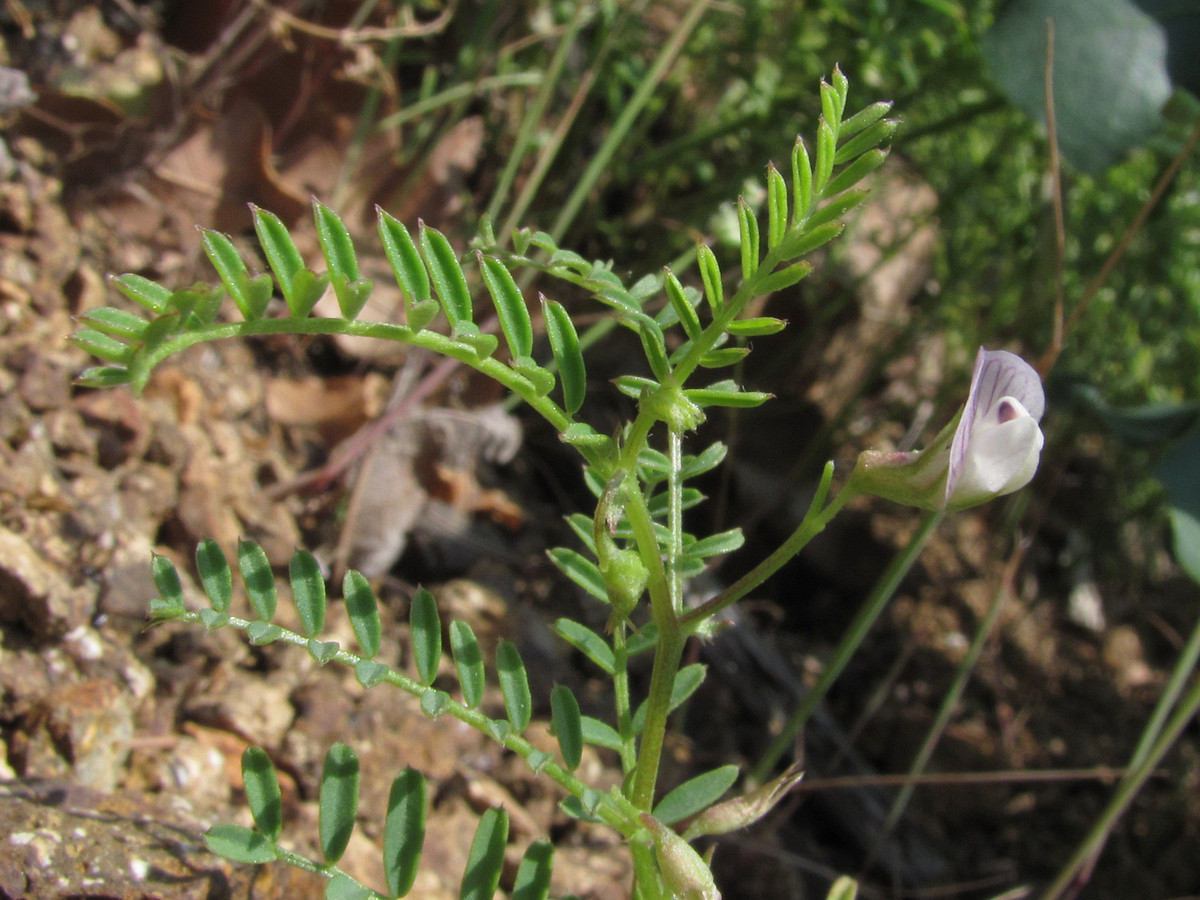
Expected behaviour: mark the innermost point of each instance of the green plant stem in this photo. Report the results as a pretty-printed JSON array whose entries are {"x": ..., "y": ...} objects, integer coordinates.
[
  {"x": 815, "y": 520},
  {"x": 1128, "y": 787},
  {"x": 459, "y": 92},
  {"x": 309, "y": 865},
  {"x": 658, "y": 706},
  {"x": 401, "y": 334},
  {"x": 621, "y": 704},
  {"x": 876, "y": 602},
  {"x": 675, "y": 519}
]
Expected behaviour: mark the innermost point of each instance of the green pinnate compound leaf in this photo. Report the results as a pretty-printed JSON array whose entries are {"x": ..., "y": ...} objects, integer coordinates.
[
  {"x": 308, "y": 591},
  {"x": 258, "y": 578},
  {"x": 101, "y": 345},
  {"x": 337, "y": 802},
  {"x": 262, "y": 792},
  {"x": 684, "y": 310},
  {"x": 166, "y": 581},
  {"x": 486, "y": 857},
  {"x": 777, "y": 207},
  {"x": 856, "y": 171},
  {"x": 710, "y": 274},
  {"x": 140, "y": 289},
  {"x": 568, "y": 729},
  {"x": 533, "y": 874},
  {"x": 240, "y": 844},
  {"x": 214, "y": 574},
  {"x": 564, "y": 344},
  {"x": 404, "y": 831},
  {"x": 363, "y": 612},
  {"x": 587, "y": 642},
  {"x": 468, "y": 661},
  {"x": 514, "y": 686},
  {"x": 695, "y": 795},
  {"x": 510, "y": 306},
  {"x": 426, "y": 627},
  {"x": 447, "y": 275}
]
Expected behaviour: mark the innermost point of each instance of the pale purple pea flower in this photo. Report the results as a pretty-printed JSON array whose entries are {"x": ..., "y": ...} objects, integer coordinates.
[{"x": 992, "y": 448}]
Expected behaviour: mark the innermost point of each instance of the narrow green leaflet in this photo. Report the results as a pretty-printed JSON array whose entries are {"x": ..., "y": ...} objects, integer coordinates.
[
  {"x": 447, "y": 274},
  {"x": 533, "y": 875},
  {"x": 262, "y": 792},
  {"x": 115, "y": 322},
  {"x": 748, "y": 238},
  {"x": 232, "y": 271},
  {"x": 102, "y": 345},
  {"x": 140, "y": 289},
  {"x": 338, "y": 249},
  {"x": 587, "y": 642},
  {"x": 485, "y": 861},
  {"x": 308, "y": 591},
  {"x": 565, "y": 720},
  {"x": 214, "y": 574},
  {"x": 363, "y": 612},
  {"x": 258, "y": 578},
  {"x": 468, "y": 661},
  {"x": 301, "y": 287},
  {"x": 337, "y": 801},
  {"x": 872, "y": 136},
  {"x": 715, "y": 544},
  {"x": 514, "y": 686},
  {"x": 342, "y": 887},
  {"x": 405, "y": 260},
  {"x": 426, "y": 627},
  {"x": 564, "y": 344},
  {"x": 681, "y": 303},
  {"x": 580, "y": 570},
  {"x": 510, "y": 306},
  {"x": 757, "y": 327},
  {"x": 802, "y": 176},
  {"x": 166, "y": 581},
  {"x": 404, "y": 831},
  {"x": 695, "y": 795},
  {"x": 240, "y": 844},
  {"x": 856, "y": 171},
  {"x": 777, "y": 207},
  {"x": 710, "y": 274},
  {"x": 601, "y": 734}
]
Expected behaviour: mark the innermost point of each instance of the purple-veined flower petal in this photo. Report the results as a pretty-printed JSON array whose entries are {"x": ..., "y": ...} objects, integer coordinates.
[{"x": 998, "y": 442}]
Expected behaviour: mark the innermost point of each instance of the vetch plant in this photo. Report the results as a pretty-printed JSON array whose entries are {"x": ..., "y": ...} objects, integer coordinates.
[{"x": 634, "y": 555}]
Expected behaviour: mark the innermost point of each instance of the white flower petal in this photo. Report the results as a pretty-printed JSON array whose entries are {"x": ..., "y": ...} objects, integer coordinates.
[{"x": 1001, "y": 457}]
